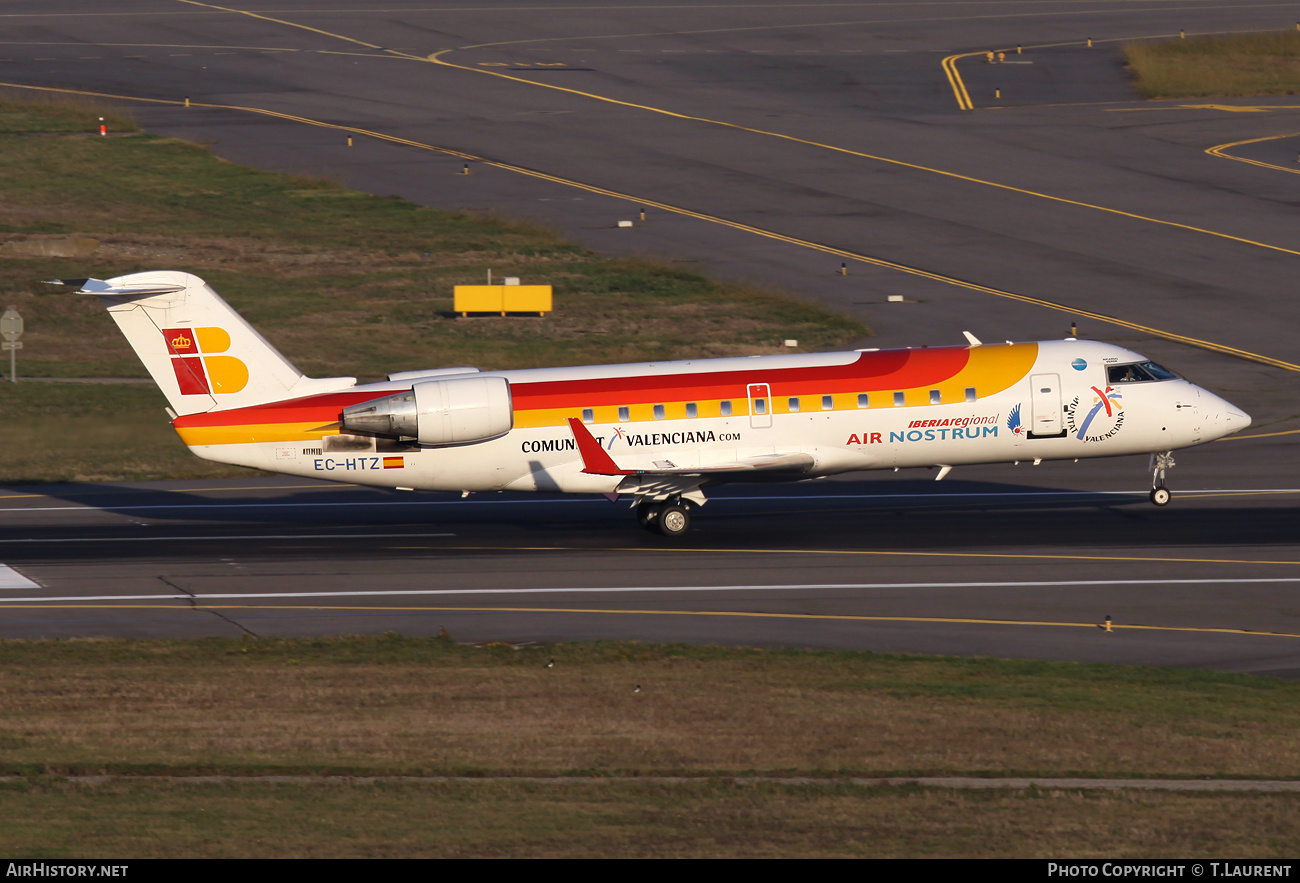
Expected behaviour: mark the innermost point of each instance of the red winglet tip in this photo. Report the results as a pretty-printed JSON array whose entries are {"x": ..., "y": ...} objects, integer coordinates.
[{"x": 594, "y": 459}]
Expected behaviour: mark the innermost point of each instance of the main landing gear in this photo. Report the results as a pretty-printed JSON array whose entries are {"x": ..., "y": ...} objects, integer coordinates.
[
  {"x": 671, "y": 517},
  {"x": 1160, "y": 463}
]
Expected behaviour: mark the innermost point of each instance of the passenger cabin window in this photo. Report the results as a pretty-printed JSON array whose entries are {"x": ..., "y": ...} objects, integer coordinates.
[
  {"x": 760, "y": 406},
  {"x": 588, "y": 415},
  {"x": 692, "y": 410},
  {"x": 828, "y": 403},
  {"x": 970, "y": 393},
  {"x": 864, "y": 400},
  {"x": 725, "y": 408},
  {"x": 898, "y": 400},
  {"x": 1142, "y": 372},
  {"x": 659, "y": 412},
  {"x": 935, "y": 397},
  {"x": 624, "y": 414},
  {"x": 794, "y": 404}
]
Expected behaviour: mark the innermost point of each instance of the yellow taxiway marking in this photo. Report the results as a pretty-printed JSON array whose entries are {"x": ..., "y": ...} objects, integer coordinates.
[
  {"x": 1230, "y": 108},
  {"x": 871, "y": 553},
  {"x": 1218, "y": 150},
  {"x": 949, "y": 66},
  {"x": 159, "y": 46},
  {"x": 758, "y": 231},
  {"x": 1259, "y": 435},
  {"x": 745, "y": 614},
  {"x": 280, "y": 21},
  {"x": 437, "y": 58},
  {"x": 1203, "y": 494}
]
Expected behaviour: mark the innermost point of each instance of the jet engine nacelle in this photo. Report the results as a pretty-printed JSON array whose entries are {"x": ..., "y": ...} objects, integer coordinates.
[{"x": 437, "y": 412}]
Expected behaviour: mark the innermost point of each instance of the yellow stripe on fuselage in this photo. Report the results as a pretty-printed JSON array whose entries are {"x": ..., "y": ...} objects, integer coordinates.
[{"x": 253, "y": 433}]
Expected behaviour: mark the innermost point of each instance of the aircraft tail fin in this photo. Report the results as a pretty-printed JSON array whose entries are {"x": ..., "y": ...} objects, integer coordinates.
[{"x": 202, "y": 354}]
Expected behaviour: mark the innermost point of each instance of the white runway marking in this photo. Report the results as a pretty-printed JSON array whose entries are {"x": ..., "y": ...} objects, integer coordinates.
[
  {"x": 621, "y": 590},
  {"x": 936, "y": 497},
  {"x": 12, "y": 579}
]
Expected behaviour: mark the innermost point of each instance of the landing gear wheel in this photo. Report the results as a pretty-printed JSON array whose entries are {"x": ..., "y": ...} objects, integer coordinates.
[
  {"x": 673, "y": 520},
  {"x": 1160, "y": 464},
  {"x": 647, "y": 515}
]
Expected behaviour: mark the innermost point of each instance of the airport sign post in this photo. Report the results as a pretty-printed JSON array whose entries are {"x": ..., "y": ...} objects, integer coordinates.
[{"x": 11, "y": 328}]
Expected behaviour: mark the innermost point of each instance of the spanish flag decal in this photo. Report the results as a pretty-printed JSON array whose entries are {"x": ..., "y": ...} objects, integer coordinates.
[{"x": 394, "y": 462}]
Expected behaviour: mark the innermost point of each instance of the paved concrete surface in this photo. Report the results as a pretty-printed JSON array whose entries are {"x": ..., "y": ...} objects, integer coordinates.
[
  {"x": 1008, "y": 561},
  {"x": 829, "y": 127}
]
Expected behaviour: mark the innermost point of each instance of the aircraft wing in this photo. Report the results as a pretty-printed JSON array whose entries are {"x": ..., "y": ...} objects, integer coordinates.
[{"x": 597, "y": 461}]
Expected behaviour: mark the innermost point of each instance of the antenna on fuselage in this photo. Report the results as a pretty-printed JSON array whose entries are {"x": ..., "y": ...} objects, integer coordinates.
[{"x": 972, "y": 339}]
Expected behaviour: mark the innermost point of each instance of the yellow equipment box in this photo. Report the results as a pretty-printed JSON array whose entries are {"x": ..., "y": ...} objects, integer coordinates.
[{"x": 502, "y": 299}]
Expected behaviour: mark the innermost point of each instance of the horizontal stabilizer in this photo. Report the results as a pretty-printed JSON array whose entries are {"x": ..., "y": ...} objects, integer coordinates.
[{"x": 108, "y": 289}]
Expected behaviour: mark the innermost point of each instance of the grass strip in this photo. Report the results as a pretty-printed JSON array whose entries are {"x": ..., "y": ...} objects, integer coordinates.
[
  {"x": 1227, "y": 65},
  {"x": 344, "y": 283},
  {"x": 137, "y": 820},
  {"x": 393, "y": 705}
]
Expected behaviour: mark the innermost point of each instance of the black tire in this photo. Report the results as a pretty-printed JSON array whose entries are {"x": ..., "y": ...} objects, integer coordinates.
[
  {"x": 1160, "y": 496},
  {"x": 673, "y": 520}
]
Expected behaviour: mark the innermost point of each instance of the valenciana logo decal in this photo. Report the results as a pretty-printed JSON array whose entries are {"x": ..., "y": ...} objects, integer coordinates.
[{"x": 1098, "y": 419}]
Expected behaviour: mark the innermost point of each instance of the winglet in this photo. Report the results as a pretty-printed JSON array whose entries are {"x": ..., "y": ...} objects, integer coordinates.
[{"x": 594, "y": 459}]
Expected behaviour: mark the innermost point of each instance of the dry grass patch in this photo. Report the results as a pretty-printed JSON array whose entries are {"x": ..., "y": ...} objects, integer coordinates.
[
  {"x": 28, "y": 112},
  {"x": 48, "y": 819},
  {"x": 101, "y": 432},
  {"x": 405, "y": 705},
  {"x": 1234, "y": 64}
]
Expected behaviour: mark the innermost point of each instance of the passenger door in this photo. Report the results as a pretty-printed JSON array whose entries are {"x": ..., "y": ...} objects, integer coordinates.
[
  {"x": 760, "y": 405},
  {"x": 1046, "y": 404}
]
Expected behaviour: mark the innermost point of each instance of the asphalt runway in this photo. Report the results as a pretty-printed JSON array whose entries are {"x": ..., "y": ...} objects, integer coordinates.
[
  {"x": 769, "y": 143},
  {"x": 1009, "y": 561}
]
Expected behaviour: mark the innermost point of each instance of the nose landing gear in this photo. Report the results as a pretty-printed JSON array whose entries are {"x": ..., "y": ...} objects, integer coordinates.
[{"x": 1160, "y": 463}]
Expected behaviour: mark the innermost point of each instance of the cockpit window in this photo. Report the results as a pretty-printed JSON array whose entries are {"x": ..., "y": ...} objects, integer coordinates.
[
  {"x": 1158, "y": 372},
  {"x": 1141, "y": 372}
]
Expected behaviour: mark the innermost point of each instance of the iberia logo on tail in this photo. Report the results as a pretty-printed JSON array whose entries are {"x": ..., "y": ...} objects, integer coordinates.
[{"x": 199, "y": 370}]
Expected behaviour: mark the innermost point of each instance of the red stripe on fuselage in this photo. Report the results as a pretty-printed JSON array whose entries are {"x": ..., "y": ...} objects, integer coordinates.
[{"x": 870, "y": 372}]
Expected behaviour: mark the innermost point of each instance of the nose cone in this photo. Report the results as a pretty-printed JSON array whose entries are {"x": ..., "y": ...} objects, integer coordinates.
[
  {"x": 1235, "y": 419},
  {"x": 1225, "y": 417}
]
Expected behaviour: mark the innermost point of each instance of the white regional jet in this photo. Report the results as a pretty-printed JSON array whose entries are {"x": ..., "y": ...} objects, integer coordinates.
[{"x": 658, "y": 433}]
